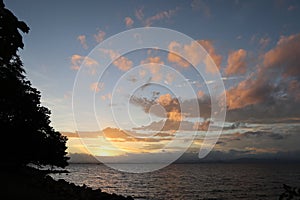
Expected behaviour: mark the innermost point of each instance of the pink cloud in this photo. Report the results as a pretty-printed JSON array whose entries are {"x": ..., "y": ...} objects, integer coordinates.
[
  {"x": 139, "y": 14},
  {"x": 82, "y": 40},
  {"x": 160, "y": 16},
  {"x": 189, "y": 52},
  {"x": 106, "y": 97},
  {"x": 78, "y": 60},
  {"x": 97, "y": 87},
  {"x": 200, "y": 94},
  {"x": 99, "y": 37},
  {"x": 121, "y": 62},
  {"x": 128, "y": 21}
]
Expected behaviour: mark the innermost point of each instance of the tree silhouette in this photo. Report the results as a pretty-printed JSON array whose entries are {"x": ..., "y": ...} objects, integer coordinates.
[{"x": 26, "y": 134}]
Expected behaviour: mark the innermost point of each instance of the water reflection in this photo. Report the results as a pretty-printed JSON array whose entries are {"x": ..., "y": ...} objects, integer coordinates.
[{"x": 190, "y": 181}]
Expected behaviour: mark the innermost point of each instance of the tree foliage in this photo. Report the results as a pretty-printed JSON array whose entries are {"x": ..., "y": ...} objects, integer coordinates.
[{"x": 24, "y": 122}]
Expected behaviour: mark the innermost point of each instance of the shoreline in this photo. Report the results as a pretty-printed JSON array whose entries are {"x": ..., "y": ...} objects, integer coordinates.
[{"x": 35, "y": 184}]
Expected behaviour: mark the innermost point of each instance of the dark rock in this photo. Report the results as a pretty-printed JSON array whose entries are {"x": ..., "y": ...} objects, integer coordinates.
[{"x": 34, "y": 184}]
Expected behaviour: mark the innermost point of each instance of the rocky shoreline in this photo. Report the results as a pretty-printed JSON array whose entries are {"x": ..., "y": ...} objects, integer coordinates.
[{"x": 34, "y": 184}]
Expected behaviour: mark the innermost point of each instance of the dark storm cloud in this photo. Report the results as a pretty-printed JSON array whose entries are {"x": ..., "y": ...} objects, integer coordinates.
[
  {"x": 170, "y": 125},
  {"x": 271, "y": 135},
  {"x": 271, "y": 109},
  {"x": 187, "y": 106}
]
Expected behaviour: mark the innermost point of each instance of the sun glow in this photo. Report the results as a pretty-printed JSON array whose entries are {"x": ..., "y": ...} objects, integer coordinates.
[{"x": 106, "y": 152}]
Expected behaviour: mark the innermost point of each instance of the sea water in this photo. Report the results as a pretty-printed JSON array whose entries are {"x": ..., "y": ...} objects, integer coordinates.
[{"x": 190, "y": 181}]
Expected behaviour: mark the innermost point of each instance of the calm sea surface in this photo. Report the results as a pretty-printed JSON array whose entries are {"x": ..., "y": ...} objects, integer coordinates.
[{"x": 190, "y": 181}]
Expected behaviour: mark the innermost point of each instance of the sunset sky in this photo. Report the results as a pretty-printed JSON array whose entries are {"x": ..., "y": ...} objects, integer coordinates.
[{"x": 254, "y": 44}]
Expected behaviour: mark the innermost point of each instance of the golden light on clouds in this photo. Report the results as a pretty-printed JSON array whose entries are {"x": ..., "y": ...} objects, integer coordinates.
[
  {"x": 123, "y": 63},
  {"x": 237, "y": 62}
]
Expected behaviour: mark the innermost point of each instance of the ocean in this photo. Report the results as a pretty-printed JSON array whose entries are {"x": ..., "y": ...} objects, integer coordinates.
[{"x": 190, "y": 181}]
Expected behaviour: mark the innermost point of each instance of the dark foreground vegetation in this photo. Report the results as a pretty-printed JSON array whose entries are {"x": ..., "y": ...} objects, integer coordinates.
[
  {"x": 33, "y": 184},
  {"x": 25, "y": 123}
]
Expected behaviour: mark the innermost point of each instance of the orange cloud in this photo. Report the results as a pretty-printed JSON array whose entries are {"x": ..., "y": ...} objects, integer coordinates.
[
  {"x": 174, "y": 115},
  {"x": 97, "y": 87},
  {"x": 248, "y": 92},
  {"x": 128, "y": 21},
  {"x": 172, "y": 57},
  {"x": 186, "y": 51},
  {"x": 171, "y": 106},
  {"x": 285, "y": 56},
  {"x": 159, "y": 16},
  {"x": 236, "y": 62},
  {"x": 191, "y": 53},
  {"x": 153, "y": 64},
  {"x": 82, "y": 40},
  {"x": 273, "y": 90},
  {"x": 106, "y": 96},
  {"x": 165, "y": 100},
  {"x": 171, "y": 126},
  {"x": 200, "y": 94},
  {"x": 78, "y": 60},
  {"x": 121, "y": 62},
  {"x": 119, "y": 136},
  {"x": 89, "y": 61},
  {"x": 82, "y": 134},
  {"x": 70, "y": 134},
  {"x": 208, "y": 46},
  {"x": 99, "y": 37},
  {"x": 139, "y": 14},
  {"x": 114, "y": 133}
]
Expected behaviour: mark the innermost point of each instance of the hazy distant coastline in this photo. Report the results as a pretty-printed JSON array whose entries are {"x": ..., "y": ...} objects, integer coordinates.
[{"x": 213, "y": 157}]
